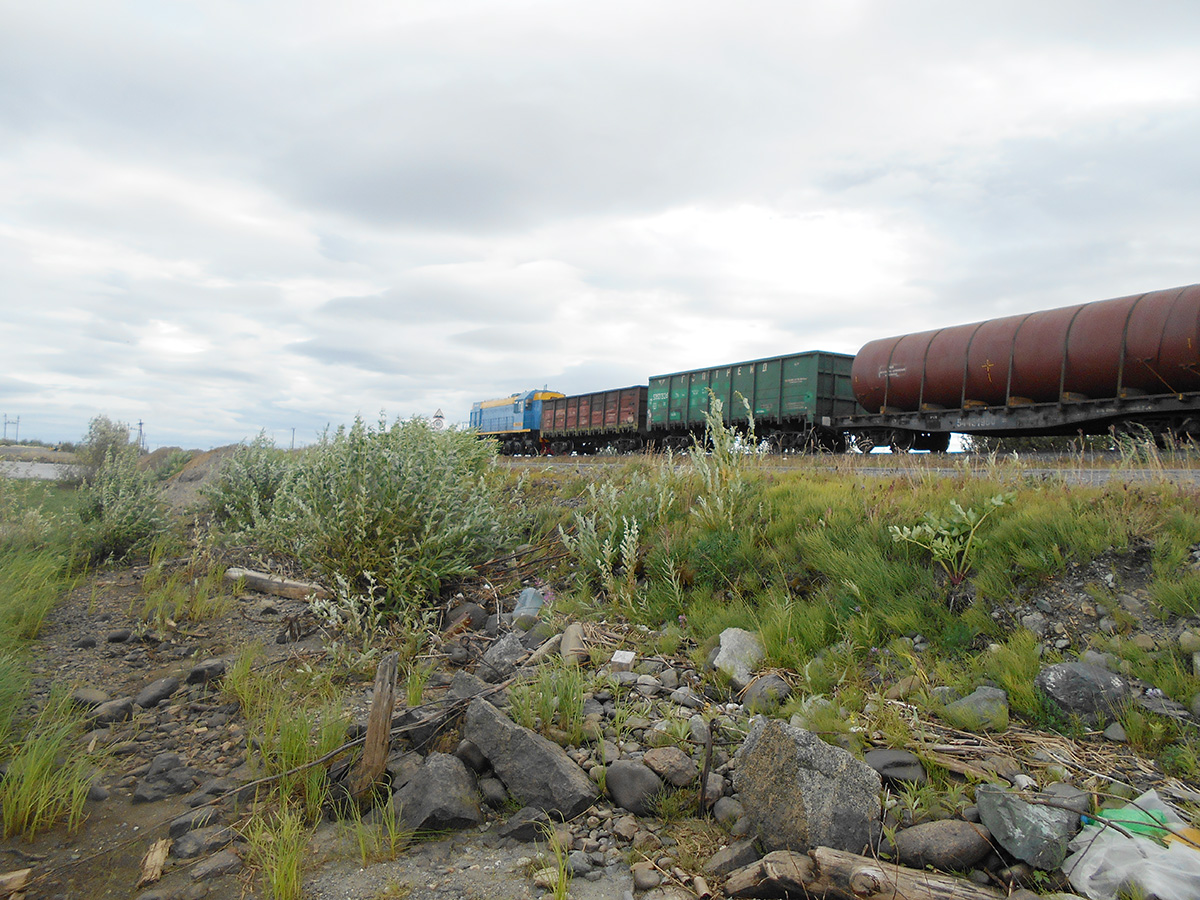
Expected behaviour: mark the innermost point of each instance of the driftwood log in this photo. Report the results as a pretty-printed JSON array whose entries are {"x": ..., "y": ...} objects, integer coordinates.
[
  {"x": 153, "y": 862},
  {"x": 838, "y": 875},
  {"x": 367, "y": 773},
  {"x": 12, "y": 884},
  {"x": 273, "y": 584}
]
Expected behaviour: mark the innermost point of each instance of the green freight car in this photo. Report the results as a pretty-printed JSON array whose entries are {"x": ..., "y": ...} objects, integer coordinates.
[{"x": 794, "y": 400}]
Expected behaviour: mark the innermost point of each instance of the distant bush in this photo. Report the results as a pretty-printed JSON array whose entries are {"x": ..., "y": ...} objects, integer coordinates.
[
  {"x": 242, "y": 496},
  {"x": 393, "y": 511},
  {"x": 104, "y": 437},
  {"x": 119, "y": 509}
]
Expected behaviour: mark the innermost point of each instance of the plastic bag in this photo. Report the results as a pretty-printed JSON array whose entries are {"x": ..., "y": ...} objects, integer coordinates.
[{"x": 1160, "y": 855}]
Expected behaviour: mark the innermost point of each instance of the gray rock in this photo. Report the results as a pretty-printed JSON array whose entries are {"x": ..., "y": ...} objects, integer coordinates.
[
  {"x": 645, "y": 876},
  {"x": 200, "y": 841},
  {"x": 573, "y": 648},
  {"x": 443, "y": 796},
  {"x": 735, "y": 856},
  {"x": 163, "y": 763},
  {"x": 464, "y": 686},
  {"x": 685, "y": 696},
  {"x": 1084, "y": 690},
  {"x": 403, "y": 767},
  {"x": 672, "y": 764},
  {"x": 89, "y": 698},
  {"x": 200, "y": 818},
  {"x": 738, "y": 652},
  {"x": 799, "y": 792},
  {"x": 633, "y": 786},
  {"x": 120, "y": 636},
  {"x": 529, "y": 603},
  {"x": 206, "y": 671},
  {"x": 985, "y": 709},
  {"x": 727, "y": 811},
  {"x": 1068, "y": 795},
  {"x": 1031, "y": 832},
  {"x": 947, "y": 844},
  {"x": 527, "y": 825},
  {"x": 766, "y": 692},
  {"x": 112, "y": 712},
  {"x": 500, "y": 661},
  {"x": 535, "y": 771},
  {"x": 225, "y": 862},
  {"x": 896, "y": 766},
  {"x": 156, "y": 692}
]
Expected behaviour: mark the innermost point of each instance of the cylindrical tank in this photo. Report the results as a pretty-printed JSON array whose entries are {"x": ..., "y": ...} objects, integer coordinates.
[{"x": 1143, "y": 344}]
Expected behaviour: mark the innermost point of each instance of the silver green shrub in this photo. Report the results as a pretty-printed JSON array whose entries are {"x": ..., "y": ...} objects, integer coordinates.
[{"x": 392, "y": 511}]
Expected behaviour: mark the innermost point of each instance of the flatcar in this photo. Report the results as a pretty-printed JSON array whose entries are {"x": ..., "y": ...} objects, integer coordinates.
[{"x": 1110, "y": 365}]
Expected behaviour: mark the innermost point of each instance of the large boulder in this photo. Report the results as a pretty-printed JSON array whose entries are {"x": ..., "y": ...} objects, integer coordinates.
[
  {"x": 536, "y": 771},
  {"x": 442, "y": 796},
  {"x": 799, "y": 792}
]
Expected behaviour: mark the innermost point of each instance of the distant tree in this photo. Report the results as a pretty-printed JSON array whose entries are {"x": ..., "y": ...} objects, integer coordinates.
[{"x": 104, "y": 438}]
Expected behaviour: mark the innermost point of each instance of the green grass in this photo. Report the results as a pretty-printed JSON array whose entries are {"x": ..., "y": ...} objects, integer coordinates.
[
  {"x": 293, "y": 729},
  {"x": 192, "y": 592},
  {"x": 277, "y": 847},
  {"x": 47, "y": 777}
]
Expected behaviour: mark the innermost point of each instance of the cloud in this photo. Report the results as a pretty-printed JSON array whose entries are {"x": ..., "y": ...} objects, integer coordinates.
[{"x": 219, "y": 217}]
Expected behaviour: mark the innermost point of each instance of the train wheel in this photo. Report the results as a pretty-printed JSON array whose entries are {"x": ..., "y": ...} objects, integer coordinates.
[
  {"x": 864, "y": 443},
  {"x": 901, "y": 441}
]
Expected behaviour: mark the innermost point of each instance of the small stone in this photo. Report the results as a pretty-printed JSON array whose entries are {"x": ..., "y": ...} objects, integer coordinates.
[
  {"x": 1115, "y": 732},
  {"x": 206, "y": 671},
  {"x": 645, "y": 876},
  {"x": 622, "y": 660}
]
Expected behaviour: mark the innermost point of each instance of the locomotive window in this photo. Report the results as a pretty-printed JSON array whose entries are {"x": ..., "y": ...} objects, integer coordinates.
[{"x": 517, "y": 407}]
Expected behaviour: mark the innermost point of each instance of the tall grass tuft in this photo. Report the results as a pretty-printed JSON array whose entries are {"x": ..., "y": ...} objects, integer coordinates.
[
  {"x": 290, "y": 734},
  {"x": 47, "y": 779},
  {"x": 277, "y": 846}
]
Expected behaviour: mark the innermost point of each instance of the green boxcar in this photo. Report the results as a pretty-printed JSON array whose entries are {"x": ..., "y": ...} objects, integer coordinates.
[{"x": 804, "y": 389}]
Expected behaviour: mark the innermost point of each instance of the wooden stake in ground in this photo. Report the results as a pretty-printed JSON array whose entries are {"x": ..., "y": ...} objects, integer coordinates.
[{"x": 365, "y": 775}]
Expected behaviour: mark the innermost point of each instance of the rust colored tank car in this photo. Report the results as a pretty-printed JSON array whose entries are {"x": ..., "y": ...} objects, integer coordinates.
[{"x": 1134, "y": 346}]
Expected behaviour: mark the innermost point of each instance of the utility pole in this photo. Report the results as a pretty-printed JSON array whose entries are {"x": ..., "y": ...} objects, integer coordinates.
[
  {"x": 293, "y": 438},
  {"x": 141, "y": 438}
]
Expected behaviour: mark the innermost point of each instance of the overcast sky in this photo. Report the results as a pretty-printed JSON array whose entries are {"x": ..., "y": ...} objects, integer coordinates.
[{"x": 223, "y": 217}]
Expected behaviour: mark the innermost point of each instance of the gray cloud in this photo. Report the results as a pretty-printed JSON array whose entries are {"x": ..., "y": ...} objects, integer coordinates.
[{"x": 219, "y": 218}]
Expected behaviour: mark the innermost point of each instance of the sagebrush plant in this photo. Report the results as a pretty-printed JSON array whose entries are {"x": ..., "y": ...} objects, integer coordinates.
[
  {"x": 411, "y": 506},
  {"x": 242, "y": 496},
  {"x": 119, "y": 509}
]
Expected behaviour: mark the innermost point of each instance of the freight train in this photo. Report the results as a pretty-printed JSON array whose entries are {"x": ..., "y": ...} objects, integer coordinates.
[{"x": 1130, "y": 362}]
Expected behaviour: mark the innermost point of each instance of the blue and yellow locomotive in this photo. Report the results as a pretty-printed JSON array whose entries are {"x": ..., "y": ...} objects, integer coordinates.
[{"x": 515, "y": 421}]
